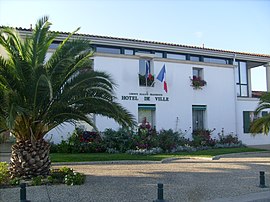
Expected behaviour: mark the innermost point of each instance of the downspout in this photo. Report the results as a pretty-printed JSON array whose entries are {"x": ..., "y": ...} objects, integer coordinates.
[{"x": 235, "y": 93}]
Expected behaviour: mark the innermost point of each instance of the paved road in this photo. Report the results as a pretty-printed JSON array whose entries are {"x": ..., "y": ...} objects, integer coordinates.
[{"x": 231, "y": 178}]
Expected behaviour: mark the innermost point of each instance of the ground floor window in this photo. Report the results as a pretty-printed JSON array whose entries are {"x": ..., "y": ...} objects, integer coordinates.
[
  {"x": 198, "y": 117},
  {"x": 249, "y": 117},
  {"x": 147, "y": 112}
]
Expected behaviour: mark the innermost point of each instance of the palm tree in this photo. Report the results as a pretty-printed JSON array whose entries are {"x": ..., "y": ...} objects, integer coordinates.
[
  {"x": 262, "y": 124},
  {"x": 37, "y": 94}
]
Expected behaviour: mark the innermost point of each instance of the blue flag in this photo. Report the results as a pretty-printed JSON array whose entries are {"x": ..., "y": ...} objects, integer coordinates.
[{"x": 161, "y": 74}]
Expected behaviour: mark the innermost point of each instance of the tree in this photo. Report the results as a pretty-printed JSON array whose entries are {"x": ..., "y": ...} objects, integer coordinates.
[
  {"x": 262, "y": 124},
  {"x": 37, "y": 94}
]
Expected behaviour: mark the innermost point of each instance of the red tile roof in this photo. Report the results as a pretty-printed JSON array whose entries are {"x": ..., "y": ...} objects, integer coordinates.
[{"x": 158, "y": 43}]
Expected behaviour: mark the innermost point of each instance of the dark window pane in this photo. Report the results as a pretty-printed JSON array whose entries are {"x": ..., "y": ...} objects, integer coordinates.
[
  {"x": 128, "y": 52},
  {"x": 195, "y": 58},
  {"x": 176, "y": 56},
  {"x": 159, "y": 54},
  {"x": 216, "y": 60},
  {"x": 243, "y": 73},
  {"x": 108, "y": 50},
  {"x": 143, "y": 51}
]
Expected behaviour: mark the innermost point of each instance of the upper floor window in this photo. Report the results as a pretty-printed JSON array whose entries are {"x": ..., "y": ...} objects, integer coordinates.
[
  {"x": 241, "y": 77},
  {"x": 216, "y": 60},
  {"x": 128, "y": 52},
  {"x": 108, "y": 50},
  {"x": 197, "y": 81},
  {"x": 146, "y": 77},
  {"x": 176, "y": 56},
  {"x": 159, "y": 54},
  {"x": 194, "y": 58}
]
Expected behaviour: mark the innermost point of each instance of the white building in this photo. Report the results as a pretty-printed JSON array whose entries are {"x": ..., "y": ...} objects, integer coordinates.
[{"x": 226, "y": 102}]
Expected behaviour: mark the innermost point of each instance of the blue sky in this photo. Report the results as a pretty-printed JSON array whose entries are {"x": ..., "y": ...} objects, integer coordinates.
[{"x": 238, "y": 25}]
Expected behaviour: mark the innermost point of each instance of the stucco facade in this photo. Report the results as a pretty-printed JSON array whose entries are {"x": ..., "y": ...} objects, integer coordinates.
[{"x": 219, "y": 105}]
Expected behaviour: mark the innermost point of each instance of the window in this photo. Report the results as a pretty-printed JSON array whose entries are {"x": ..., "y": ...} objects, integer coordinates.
[
  {"x": 194, "y": 58},
  {"x": 143, "y": 51},
  {"x": 108, "y": 50},
  {"x": 198, "y": 117},
  {"x": 249, "y": 117},
  {"x": 147, "y": 112},
  {"x": 197, "y": 72},
  {"x": 176, "y": 56},
  {"x": 216, "y": 60},
  {"x": 241, "y": 75},
  {"x": 128, "y": 52},
  {"x": 146, "y": 77},
  {"x": 159, "y": 54}
]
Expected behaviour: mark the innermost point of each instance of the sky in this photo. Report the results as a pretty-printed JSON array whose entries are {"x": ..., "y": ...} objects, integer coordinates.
[{"x": 236, "y": 25}]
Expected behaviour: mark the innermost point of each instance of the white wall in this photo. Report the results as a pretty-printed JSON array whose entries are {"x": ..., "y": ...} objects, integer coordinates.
[
  {"x": 216, "y": 95},
  {"x": 223, "y": 109}
]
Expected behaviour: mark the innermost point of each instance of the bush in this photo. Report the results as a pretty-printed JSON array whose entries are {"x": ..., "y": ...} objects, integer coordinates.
[
  {"x": 202, "y": 138},
  {"x": 228, "y": 139},
  {"x": 168, "y": 140},
  {"x": 118, "y": 141},
  {"x": 4, "y": 173},
  {"x": 67, "y": 176},
  {"x": 146, "y": 137},
  {"x": 74, "y": 179},
  {"x": 80, "y": 141}
]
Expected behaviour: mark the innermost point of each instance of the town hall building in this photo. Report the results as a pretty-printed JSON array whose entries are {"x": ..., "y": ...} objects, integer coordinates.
[{"x": 178, "y": 87}]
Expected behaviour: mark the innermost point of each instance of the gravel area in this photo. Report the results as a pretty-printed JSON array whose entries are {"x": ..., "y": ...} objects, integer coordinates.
[{"x": 232, "y": 176}]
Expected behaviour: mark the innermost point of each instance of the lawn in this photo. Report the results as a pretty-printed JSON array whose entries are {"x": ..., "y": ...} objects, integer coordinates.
[{"x": 64, "y": 157}]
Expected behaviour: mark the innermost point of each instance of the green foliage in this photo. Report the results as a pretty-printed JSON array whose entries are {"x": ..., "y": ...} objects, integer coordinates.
[
  {"x": 15, "y": 181},
  {"x": 146, "y": 138},
  {"x": 228, "y": 139},
  {"x": 202, "y": 138},
  {"x": 74, "y": 179},
  {"x": 81, "y": 142},
  {"x": 67, "y": 176},
  {"x": 168, "y": 139},
  {"x": 121, "y": 140},
  {"x": 37, "y": 181},
  {"x": 4, "y": 173},
  {"x": 262, "y": 124}
]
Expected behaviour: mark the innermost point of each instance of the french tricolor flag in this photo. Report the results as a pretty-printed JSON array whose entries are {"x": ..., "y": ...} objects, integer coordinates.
[{"x": 162, "y": 78}]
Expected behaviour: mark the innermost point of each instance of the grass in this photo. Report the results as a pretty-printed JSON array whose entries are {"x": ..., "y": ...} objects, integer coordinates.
[{"x": 64, "y": 157}]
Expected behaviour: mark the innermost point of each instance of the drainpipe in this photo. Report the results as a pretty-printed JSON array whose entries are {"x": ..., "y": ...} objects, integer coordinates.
[{"x": 235, "y": 64}]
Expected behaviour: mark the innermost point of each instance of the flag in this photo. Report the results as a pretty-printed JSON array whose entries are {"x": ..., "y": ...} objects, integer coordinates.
[
  {"x": 147, "y": 70},
  {"x": 161, "y": 78}
]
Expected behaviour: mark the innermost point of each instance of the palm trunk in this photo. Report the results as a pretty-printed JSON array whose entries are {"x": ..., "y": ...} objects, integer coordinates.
[{"x": 29, "y": 160}]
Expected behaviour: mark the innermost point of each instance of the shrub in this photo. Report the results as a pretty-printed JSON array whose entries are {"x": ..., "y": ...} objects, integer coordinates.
[
  {"x": 118, "y": 141},
  {"x": 146, "y": 137},
  {"x": 37, "y": 181},
  {"x": 168, "y": 139},
  {"x": 66, "y": 175},
  {"x": 74, "y": 179},
  {"x": 228, "y": 139},
  {"x": 4, "y": 173},
  {"x": 80, "y": 141},
  {"x": 202, "y": 138}
]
